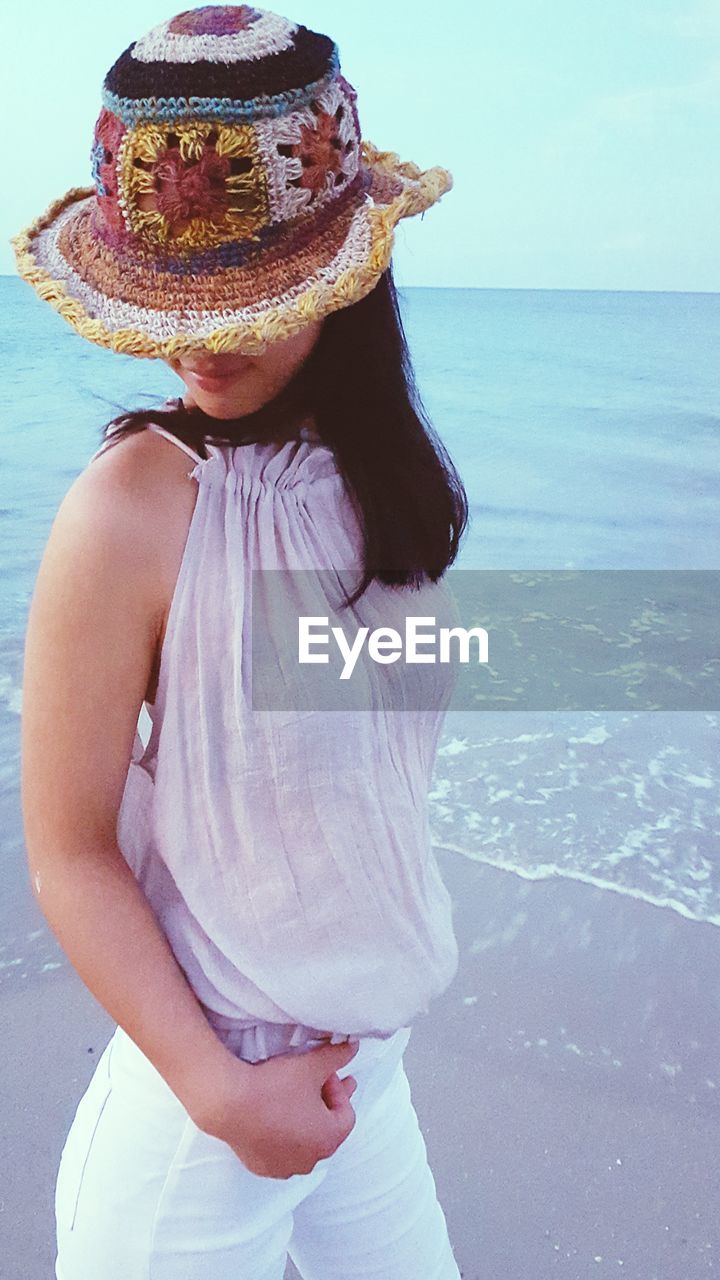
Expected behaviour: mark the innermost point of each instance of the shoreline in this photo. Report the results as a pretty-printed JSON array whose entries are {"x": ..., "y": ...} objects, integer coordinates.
[{"x": 560, "y": 1083}]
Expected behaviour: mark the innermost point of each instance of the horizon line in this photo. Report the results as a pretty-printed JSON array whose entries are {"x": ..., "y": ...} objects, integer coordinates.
[{"x": 499, "y": 288}]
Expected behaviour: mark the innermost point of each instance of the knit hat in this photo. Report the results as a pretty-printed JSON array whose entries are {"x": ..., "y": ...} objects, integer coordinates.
[{"x": 234, "y": 198}]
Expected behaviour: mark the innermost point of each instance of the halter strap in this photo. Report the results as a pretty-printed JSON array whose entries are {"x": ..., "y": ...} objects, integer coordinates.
[{"x": 153, "y": 426}]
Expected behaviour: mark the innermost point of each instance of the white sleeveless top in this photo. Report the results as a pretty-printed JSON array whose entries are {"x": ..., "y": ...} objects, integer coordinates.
[{"x": 287, "y": 856}]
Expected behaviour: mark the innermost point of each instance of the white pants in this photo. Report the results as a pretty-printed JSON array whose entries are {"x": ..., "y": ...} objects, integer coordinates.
[{"x": 143, "y": 1194}]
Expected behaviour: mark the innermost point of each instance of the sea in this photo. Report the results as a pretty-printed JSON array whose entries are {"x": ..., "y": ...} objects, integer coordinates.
[{"x": 586, "y": 428}]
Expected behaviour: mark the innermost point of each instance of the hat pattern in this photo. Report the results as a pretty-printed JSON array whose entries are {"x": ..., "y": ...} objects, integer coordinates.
[
  {"x": 184, "y": 37},
  {"x": 234, "y": 198}
]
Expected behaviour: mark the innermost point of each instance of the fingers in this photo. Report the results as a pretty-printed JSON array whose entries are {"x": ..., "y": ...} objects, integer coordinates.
[
  {"x": 328, "y": 1057},
  {"x": 330, "y": 1092},
  {"x": 344, "y": 1118},
  {"x": 335, "y": 1091}
]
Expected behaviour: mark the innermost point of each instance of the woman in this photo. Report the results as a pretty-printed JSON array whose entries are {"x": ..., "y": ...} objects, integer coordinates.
[{"x": 252, "y": 897}]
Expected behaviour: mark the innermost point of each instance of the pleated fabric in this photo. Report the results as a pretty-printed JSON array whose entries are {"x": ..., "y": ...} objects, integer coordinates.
[{"x": 286, "y": 852}]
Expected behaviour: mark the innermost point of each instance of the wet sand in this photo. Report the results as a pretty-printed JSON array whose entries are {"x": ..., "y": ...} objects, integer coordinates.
[{"x": 568, "y": 1086}]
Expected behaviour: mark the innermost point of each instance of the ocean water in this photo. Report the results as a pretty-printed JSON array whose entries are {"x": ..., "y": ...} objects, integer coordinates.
[{"x": 586, "y": 427}]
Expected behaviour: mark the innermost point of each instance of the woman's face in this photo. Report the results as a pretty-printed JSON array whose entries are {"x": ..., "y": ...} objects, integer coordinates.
[{"x": 229, "y": 386}]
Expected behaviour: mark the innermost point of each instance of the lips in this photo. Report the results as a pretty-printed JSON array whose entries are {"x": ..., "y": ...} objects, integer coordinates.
[
  {"x": 210, "y": 373},
  {"x": 212, "y": 379}
]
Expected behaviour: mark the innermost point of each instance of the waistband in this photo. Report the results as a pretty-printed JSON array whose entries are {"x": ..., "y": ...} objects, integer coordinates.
[{"x": 254, "y": 1041}]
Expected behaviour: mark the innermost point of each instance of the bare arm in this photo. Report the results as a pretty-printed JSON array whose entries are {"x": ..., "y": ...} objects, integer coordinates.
[
  {"x": 90, "y": 644},
  {"x": 92, "y": 632}
]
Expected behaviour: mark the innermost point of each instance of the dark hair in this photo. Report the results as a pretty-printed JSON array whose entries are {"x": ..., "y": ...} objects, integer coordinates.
[{"x": 360, "y": 385}]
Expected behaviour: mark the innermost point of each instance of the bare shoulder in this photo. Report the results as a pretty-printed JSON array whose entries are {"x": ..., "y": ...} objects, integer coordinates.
[
  {"x": 96, "y": 621},
  {"x": 133, "y": 467},
  {"x": 122, "y": 527},
  {"x": 139, "y": 493}
]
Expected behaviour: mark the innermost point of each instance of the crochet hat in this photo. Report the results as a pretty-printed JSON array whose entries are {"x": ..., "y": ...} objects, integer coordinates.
[{"x": 234, "y": 198}]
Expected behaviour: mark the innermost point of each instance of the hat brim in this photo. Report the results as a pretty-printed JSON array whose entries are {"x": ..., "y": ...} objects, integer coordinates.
[{"x": 57, "y": 255}]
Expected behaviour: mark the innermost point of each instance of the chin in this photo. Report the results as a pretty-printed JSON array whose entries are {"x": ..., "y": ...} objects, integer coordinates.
[
  {"x": 220, "y": 406},
  {"x": 222, "y": 401}
]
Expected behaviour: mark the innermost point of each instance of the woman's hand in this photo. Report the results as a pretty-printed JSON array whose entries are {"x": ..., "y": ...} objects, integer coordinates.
[{"x": 282, "y": 1115}]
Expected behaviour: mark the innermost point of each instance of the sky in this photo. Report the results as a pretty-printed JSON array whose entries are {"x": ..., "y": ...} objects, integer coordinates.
[{"x": 582, "y": 136}]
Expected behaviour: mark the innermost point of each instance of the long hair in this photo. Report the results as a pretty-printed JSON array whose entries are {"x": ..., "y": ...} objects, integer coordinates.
[{"x": 359, "y": 383}]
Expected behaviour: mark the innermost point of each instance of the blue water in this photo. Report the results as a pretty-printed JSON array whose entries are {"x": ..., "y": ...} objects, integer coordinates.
[{"x": 586, "y": 428}]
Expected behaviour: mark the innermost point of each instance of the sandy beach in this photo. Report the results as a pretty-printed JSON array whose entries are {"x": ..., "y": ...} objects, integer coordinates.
[{"x": 568, "y": 1086}]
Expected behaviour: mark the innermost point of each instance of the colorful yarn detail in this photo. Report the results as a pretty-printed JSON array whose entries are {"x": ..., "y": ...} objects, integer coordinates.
[
  {"x": 216, "y": 33},
  {"x": 234, "y": 199},
  {"x": 213, "y": 20}
]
